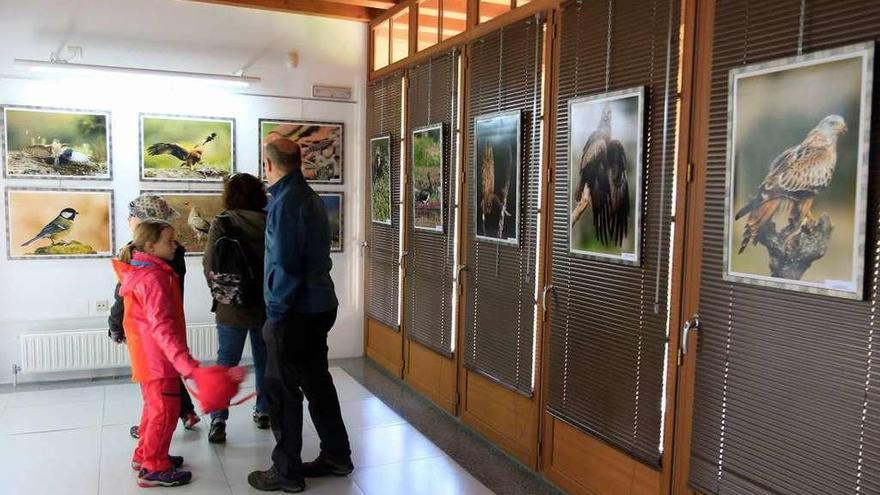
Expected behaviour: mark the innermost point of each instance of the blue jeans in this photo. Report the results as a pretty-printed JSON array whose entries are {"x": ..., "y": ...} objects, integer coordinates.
[{"x": 229, "y": 351}]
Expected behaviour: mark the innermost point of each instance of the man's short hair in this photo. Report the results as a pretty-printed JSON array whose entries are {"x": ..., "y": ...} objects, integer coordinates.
[{"x": 285, "y": 154}]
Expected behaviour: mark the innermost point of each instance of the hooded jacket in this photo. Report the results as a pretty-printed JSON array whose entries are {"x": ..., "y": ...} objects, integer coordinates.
[{"x": 154, "y": 322}]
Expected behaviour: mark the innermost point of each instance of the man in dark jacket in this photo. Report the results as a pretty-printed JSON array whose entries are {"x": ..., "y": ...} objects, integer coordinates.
[
  {"x": 141, "y": 208},
  {"x": 300, "y": 310}
]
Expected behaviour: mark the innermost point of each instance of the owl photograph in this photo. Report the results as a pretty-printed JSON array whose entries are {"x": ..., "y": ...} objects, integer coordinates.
[
  {"x": 497, "y": 162},
  {"x": 192, "y": 149},
  {"x": 605, "y": 168},
  {"x": 798, "y": 141}
]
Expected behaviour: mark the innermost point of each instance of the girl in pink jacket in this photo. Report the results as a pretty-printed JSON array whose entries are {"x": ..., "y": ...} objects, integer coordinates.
[{"x": 156, "y": 333}]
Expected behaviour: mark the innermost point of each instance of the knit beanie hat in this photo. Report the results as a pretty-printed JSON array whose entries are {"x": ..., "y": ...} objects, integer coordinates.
[{"x": 152, "y": 206}]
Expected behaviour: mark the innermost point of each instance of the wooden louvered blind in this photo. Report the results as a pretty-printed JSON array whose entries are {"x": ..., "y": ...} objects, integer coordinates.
[
  {"x": 499, "y": 304},
  {"x": 433, "y": 97},
  {"x": 786, "y": 399},
  {"x": 384, "y": 102},
  {"x": 608, "y": 321}
]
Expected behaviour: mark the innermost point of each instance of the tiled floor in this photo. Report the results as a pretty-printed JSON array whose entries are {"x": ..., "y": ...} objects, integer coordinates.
[{"x": 75, "y": 441}]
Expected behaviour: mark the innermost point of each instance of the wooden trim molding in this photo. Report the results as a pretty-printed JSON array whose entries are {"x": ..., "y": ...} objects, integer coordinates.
[{"x": 352, "y": 10}]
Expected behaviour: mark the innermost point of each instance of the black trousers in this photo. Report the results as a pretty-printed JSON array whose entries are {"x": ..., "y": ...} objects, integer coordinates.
[
  {"x": 186, "y": 402},
  {"x": 297, "y": 365}
]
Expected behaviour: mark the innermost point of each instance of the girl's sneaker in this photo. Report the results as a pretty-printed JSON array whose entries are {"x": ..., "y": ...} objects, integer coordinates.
[
  {"x": 171, "y": 477},
  {"x": 175, "y": 460},
  {"x": 191, "y": 420}
]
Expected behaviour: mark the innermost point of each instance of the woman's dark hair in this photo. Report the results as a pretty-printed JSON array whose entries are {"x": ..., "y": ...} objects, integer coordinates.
[{"x": 244, "y": 192}]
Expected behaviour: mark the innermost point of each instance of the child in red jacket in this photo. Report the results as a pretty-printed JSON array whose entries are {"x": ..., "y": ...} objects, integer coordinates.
[{"x": 156, "y": 333}]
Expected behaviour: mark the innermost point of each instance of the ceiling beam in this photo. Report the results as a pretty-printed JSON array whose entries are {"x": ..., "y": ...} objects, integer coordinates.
[
  {"x": 373, "y": 4},
  {"x": 309, "y": 7}
]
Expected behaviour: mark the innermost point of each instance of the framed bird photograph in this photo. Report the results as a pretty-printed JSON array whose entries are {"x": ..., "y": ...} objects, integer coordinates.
[
  {"x": 427, "y": 178},
  {"x": 59, "y": 223},
  {"x": 335, "y": 213},
  {"x": 497, "y": 153},
  {"x": 195, "y": 212},
  {"x": 797, "y": 172},
  {"x": 380, "y": 180},
  {"x": 321, "y": 144},
  {"x": 50, "y": 143},
  {"x": 189, "y": 149},
  {"x": 606, "y": 136}
]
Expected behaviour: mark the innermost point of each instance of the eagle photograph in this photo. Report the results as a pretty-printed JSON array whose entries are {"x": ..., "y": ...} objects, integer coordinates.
[
  {"x": 195, "y": 212},
  {"x": 59, "y": 223},
  {"x": 605, "y": 168},
  {"x": 186, "y": 148},
  {"x": 797, "y": 172},
  {"x": 56, "y": 144},
  {"x": 497, "y": 162}
]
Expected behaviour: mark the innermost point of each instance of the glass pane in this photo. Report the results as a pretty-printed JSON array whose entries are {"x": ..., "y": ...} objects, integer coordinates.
[
  {"x": 490, "y": 9},
  {"x": 520, "y": 3},
  {"x": 400, "y": 36},
  {"x": 454, "y": 18},
  {"x": 429, "y": 23},
  {"x": 380, "y": 45}
]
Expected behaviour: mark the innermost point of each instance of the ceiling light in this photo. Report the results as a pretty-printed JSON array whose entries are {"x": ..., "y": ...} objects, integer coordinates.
[{"x": 67, "y": 67}]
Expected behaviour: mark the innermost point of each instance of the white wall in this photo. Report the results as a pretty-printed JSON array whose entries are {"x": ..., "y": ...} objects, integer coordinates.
[{"x": 174, "y": 35}]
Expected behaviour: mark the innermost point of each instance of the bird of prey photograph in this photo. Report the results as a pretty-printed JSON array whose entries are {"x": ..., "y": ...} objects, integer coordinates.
[
  {"x": 321, "y": 144},
  {"x": 56, "y": 144},
  {"x": 192, "y": 149},
  {"x": 196, "y": 213},
  {"x": 59, "y": 223},
  {"x": 606, "y": 136},
  {"x": 497, "y": 164},
  {"x": 427, "y": 178},
  {"x": 798, "y": 141},
  {"x": 380, "y": 180}
]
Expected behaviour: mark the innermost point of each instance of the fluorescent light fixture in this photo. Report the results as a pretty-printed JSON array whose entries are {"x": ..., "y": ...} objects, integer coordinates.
[{"x": 67, "y": 67}]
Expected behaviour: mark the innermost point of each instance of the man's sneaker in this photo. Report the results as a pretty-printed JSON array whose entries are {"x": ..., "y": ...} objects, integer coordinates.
[
  {"x": 324, "y": 466},
  {"x": 190, "y": 420},
  {"x": 134, "y": 431},
  {"x": 175, "y": 460},
  {"x": 262, "y": 420},
  {"x": 171, "y": 477},
  {"x": 272, "y": 481},
  {"x": 217, "y": 434}
]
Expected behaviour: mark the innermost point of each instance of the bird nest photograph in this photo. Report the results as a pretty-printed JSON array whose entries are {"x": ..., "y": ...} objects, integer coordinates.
[
  {"x": 333, "y": 205},
  {"x": 195, "y": 213},
  {"x": 427, "y": 181},
  {"x": 497, "y": 156},
  {"x": 52, "y": 143},
  {"x": 191, "y": 149},
  {"x": 605, "y": 170},
  {"x": 798, "y": 140},
  {"x": 320, "y": 143},
  {"x": 380, "y": 180},
  {"x": 69, "y": 223}
]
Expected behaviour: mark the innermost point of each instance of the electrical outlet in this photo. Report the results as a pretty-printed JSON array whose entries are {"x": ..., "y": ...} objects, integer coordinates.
[{"x": 102, "y": 306}]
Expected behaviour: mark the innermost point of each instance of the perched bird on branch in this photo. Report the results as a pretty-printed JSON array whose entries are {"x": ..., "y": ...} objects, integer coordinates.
[
  {"x": 199, "y": 225},
  {"x": 58, "y": 228},
  {"x": 796, "y": 176},
  {"x": 603, "y": 184},
  {"x": 188, "y": 158}
]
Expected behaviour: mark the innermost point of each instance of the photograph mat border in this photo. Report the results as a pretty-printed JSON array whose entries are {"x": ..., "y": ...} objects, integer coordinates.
[
  {"x": 865, "y": 51},
  {"x": 519, "y": 139},
  {"x": 639, "y": 91},
  {"x": 34, "y": 108},
  {"x": 423, "y": 129},
  {"x": 112, "y": 214}
]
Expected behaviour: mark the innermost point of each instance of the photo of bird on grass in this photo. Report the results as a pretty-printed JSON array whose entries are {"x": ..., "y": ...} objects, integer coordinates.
[
  {"x": 796, "y": 173},
  {"x": 59, "y": 223},
  {"x": 427, "y": 181},
  {"x": 50, "y": 144},
  {"x": 605, "y": 168},
  {"x": 195, "y": 213},
  {"x": 191, "y": 149}
]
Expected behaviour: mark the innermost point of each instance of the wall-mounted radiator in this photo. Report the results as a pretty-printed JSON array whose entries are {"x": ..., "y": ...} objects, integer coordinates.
[{"x": 91, "y": 349}]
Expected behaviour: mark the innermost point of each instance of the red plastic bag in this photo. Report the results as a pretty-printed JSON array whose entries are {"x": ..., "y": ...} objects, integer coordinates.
[{"x": 217, "y": 385}]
